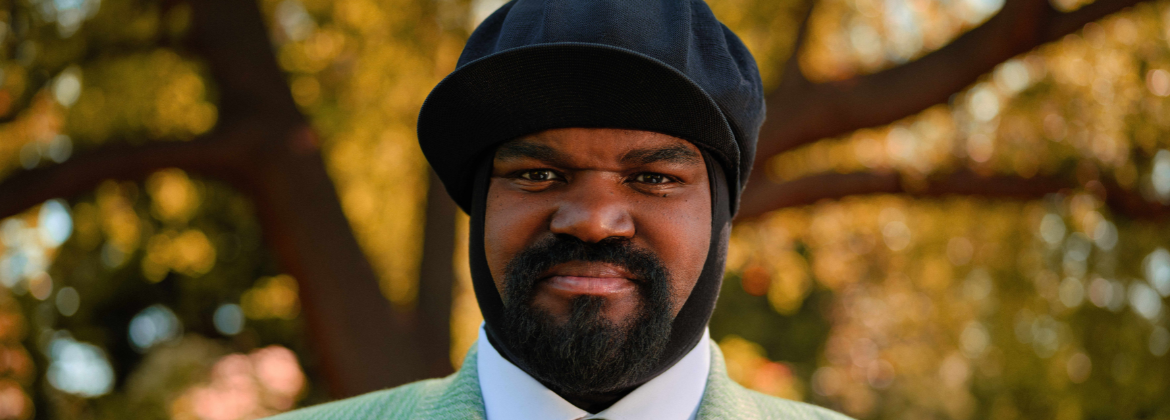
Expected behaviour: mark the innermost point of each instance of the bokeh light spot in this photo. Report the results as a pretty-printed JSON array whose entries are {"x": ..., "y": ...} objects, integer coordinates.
[
  {"x": 978, "y": 285},
  {"x": 294, "y": 20},
  {"x": 229, "y": 319},
  {"x": 980, "y": 147},
  {"x": 1012, "y": 75},
  {"x": 1144, "y": 300},
  {"x": 960, "y": 250},
  {"x": 1045, "y": 336},
  {"x": 1157, "y": 270},
  {"x": 1105, "y": 235},
  {"x": 1100, "y": 292},
  {"x": 1158, "y": 81},
  {"x": 954, "y": 371},
  {"x": 984, "y": 103},
  {"x": 40, "y": 285},
  {"x": 256, "y": 385},
  {"x": 481, "y": 9},
  {"x": 79, "y": 368},
  {"x": 1160, "y": 177},
  {"x": 827, "y": 381},
  {"x": 1079, "y": 367},
  {"x": 1072, "y": 292},
  {"x": 153, "y": 325},
  {"x": 272, "y": 297},
  {"x": 1159, "y": 341},
  {"x": 174, "y": 197},
  {"x": 68, "y": 301},
  {"x": 67, "y": 86},
  {"x": 974, "y": 339},
  {"x": 54, "y": 223},
  {"x": 30, "y": 155},
  {"x": 1052, "y": 229},
  {"x": 897, "y": 235},
  {"x": 60, "y": 148}
]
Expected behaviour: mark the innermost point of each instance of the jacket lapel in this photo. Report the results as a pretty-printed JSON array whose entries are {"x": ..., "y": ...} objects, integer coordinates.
[
  {"x": 457, "y": 396},
  {"x": 723, "y": 398}
]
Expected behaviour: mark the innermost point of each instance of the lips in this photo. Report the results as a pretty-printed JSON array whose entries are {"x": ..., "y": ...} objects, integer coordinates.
[{"x": 588, "y": 278}]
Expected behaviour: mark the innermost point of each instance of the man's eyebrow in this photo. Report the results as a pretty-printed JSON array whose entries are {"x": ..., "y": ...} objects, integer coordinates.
[
  {"x": 671, "y": 154},
  {"x": 524, "y": 149}
]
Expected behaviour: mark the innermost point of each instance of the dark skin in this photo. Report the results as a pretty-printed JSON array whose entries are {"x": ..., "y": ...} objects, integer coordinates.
[{"x": 595, "y": 184}]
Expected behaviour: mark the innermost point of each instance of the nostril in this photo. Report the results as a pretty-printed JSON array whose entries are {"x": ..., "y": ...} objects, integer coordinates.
[{"x": 592, "y": 223}]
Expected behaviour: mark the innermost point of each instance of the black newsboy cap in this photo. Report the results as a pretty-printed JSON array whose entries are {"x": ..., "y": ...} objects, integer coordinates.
[{"x": 666, "y": 66}]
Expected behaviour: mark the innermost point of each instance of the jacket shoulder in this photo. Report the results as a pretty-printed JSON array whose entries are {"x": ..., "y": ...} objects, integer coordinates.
[
  {"x": 778, "y": 408},
  {"x": 454, "y": 397},
  {"x": 726, "y": 399},
  {"x": 732, "y": 401},
  {"x": 401, "y": 402}
]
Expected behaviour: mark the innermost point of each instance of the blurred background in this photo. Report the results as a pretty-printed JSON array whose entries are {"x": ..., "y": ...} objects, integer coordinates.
[{"x": 217, "y": 209}]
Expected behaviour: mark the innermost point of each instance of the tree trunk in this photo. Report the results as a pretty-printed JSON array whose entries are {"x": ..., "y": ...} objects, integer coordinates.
[{"x": 437, "y": 278}]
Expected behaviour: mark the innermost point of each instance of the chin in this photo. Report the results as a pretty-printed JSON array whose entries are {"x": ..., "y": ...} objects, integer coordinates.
[{"x": 585, "y": 352}]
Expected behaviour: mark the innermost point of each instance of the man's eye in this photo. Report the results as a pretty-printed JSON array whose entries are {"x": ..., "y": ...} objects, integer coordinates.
[
  {"x": 539, "y": 175},
  {"x": 651, "y": 178}
]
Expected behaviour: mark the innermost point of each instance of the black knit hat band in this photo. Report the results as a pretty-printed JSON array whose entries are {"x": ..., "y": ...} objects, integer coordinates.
[{"x": 531, "y": 89}]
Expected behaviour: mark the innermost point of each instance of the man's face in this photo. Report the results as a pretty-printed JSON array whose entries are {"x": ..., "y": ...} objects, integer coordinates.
[{"x": 595, "y": 236}]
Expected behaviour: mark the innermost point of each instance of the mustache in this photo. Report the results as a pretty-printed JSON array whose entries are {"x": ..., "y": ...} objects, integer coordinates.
[
  {"x": 587, "y": 354},
  {"x": 527, "y": 267}
]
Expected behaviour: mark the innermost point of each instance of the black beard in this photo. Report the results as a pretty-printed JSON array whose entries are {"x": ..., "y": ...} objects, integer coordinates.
[{"x": 588, "y": 354}]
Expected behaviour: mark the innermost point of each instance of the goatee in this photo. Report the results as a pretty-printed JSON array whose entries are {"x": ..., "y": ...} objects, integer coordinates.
[{"x": 587, "y": 354}]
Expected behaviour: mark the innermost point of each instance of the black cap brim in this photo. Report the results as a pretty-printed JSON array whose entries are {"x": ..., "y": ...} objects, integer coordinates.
[{"x": 531, "y": 89}]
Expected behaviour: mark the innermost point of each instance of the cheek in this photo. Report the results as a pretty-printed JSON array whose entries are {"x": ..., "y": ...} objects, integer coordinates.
[
  {"x": 509, "y": 225},
  {"x": 680, "y": 233}
]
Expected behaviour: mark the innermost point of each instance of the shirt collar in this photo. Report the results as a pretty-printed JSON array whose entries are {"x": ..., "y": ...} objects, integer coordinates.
[{"x": 509, "y": 393}]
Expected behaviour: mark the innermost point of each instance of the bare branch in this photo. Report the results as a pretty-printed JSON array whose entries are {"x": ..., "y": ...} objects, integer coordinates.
[
  {"x": 211, "y": 155},
  {"x": 765, "y": 197},
  {"x": 798, "y": 115},
  {"x": 793, "y": 78},
  {"x": 436, "y": 278},
  {"x": 21, "y": 102},
  {"x": 234, "y": 41},
  {"x": 1067, "y": 23}
]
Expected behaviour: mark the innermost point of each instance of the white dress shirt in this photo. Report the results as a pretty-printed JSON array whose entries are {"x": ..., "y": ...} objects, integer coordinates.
[{"x": 510, "y": 394}]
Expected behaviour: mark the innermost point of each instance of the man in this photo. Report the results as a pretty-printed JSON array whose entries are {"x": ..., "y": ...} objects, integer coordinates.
[{"x": 600, "y": 148}]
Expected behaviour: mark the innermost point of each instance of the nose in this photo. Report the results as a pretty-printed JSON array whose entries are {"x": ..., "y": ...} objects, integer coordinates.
[{"x": 592, "y": 212}]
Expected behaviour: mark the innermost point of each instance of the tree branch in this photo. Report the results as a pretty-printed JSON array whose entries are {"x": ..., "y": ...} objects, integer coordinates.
[
  {"x": 20, "y": 103},
  {"x": 830, "y": 186},
  {"x": 799, "y": 114},
  {"x": 234, "y": 41},
  {"x": 264, "y": 146},
  {"x": 211, "y": 155},
  {"x": 436, "y": 278},
  {"x": 793, "y": 79},
  {"x": 361, "y": 342}
]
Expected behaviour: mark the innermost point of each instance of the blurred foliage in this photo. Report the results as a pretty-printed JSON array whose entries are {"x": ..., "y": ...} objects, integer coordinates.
[
  {"x": 171, "y": 301},
  {"x": 161, "y": 297},
  {"x": 962, "y": 308},
  {"x": 147, "y": 290}
]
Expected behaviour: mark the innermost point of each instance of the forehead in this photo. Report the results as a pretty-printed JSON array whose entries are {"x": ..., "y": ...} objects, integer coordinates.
[{"x": 583, "y": 145}]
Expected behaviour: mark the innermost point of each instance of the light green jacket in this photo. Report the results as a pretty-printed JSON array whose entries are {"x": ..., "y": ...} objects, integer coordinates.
[{"x": 458, "y": 397}]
